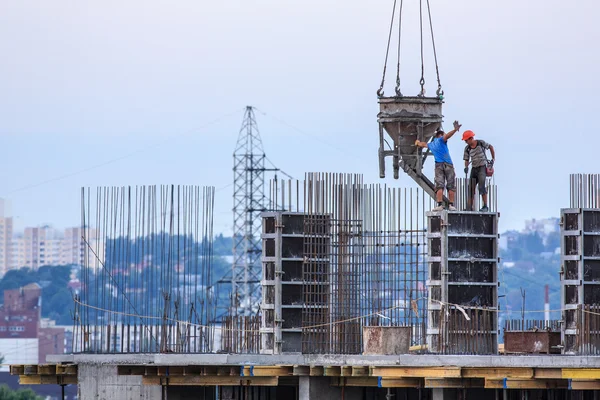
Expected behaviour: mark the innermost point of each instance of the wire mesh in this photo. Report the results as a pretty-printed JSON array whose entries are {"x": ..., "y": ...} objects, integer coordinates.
[
  {"x": 588, "y": 324},
  {"x": 146, "y": 280},
  {"x": 515, "y": 325},
  {"x": 364, "y": 258},
  {"x": 240, "y": 334}
]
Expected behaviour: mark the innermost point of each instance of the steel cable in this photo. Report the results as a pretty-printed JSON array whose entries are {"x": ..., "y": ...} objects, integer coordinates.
[{"x": 387, "y": 52}]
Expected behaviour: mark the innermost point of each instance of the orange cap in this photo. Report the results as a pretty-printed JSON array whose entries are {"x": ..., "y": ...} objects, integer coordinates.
[{"x": 467, "y": 135}]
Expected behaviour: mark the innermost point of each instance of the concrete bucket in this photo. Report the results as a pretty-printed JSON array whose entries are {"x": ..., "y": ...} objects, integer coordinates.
[{"x": 406, "y": 119}]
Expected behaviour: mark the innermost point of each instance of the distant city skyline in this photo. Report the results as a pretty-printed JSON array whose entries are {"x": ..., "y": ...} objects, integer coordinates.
[{"x": 44, "y": 245}]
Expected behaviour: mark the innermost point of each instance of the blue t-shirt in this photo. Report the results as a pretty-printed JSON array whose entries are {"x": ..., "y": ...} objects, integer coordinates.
[{"x": 439, "y": 148}]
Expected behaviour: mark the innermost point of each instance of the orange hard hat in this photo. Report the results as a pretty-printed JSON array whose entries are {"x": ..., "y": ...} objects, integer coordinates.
[{"x": 467, "y": 135}]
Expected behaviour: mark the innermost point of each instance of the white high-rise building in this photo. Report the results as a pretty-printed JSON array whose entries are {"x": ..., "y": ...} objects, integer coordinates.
[
  {"x": 47, "y": 246},
  {"x": 6, "y": 233},
  {"x": 44, "y": 245}
]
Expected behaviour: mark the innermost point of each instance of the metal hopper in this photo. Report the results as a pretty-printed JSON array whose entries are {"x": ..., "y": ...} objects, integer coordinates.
[{"x": 406, "y": 119}]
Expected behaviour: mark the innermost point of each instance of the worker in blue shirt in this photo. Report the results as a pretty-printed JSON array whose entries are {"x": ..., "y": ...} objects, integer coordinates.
[{"x": 445, "y": 177}]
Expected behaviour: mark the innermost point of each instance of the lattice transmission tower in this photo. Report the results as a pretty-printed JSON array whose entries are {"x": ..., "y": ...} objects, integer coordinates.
[{"x": 249, "y": 201}]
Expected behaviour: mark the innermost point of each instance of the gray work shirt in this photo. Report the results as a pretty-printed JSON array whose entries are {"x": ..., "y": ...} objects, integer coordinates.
[{"x": 477, "y": 154}]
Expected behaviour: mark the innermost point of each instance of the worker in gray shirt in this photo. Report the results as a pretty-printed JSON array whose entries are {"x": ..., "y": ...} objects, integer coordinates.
[{"x": 475, "y": 154}]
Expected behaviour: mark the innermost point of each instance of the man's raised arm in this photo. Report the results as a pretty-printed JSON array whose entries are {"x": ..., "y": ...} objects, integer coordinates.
[{"x": 453, "y": 131}]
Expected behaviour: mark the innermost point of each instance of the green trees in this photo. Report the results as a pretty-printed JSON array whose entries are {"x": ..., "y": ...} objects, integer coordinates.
[
  {"x": 7, "y": 393},
  {"x": 57, "y": 301},
  {"x": 529, "y": 263}
]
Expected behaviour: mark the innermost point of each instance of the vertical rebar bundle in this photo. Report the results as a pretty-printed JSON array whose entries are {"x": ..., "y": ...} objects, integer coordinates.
[
  {"x": 585, "y": 190},
  {"x": 364, "y": 258},
  {"x": 464, "y": 190},
  {"x": 463, "y": 282},
  {"x": 146, "y": 280},
  {"x": 335, "y": 268},
  {"x": 580, "y": 267},
  {"x": 240, "y": 334}
]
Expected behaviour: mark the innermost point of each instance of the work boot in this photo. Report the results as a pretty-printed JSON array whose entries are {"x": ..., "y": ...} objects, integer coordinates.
[
  {"x": 438, "y": 208},
  {"x": 451, "y": 208},
  {"x": 484, "y": 209}
]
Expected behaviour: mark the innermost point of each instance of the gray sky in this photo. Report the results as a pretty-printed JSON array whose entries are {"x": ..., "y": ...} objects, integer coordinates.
[{"x": 138, "y": 83}]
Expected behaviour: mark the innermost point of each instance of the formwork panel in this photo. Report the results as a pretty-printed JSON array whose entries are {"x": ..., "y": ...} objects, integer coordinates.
[
  {"x": 268, "y": 294},
  {"x": 284, "y": 246},
  {"x": 591, "y": 271},
  {"x": 570, "y": 220},
  {"x": 292, "y": 247},
  {"x": 591, "y": 295},
  {"x": 571, "y": 294},
  {"x": 292, "y": 295},
  {"x": 472, "y": 271},
  {"x": 292, "y": 271},
  {"x": 292, "y": 224},
  {"x": 571, "y": 245},
  {"x": 472, "y": 223},
  {"x": 571, "y": 319},
  {"x": 292, "y": 318},
  {"x": 435, "y": 271},
  {"x": 435, "y": 224},
  {"x": 591, "y": 221},
  {"x": 591, "y": 245},
  {"x": 472, "y": 295},
  {"x": 435, "y": 247},
  {"x": 571, "y": 270},
  {"x": 580, "y": 280},
  {"x": 269, "y": 225},
  {"x": 463, "y": 284},
  {"x": 269, "y": 271},
  {"x": 291, "y": 342},
  {"x": 472, "y": 247},
  {"x": 269, "y": 247}
]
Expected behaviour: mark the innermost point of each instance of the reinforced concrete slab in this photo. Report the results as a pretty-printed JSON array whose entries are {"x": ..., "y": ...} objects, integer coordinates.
[{"x": 539, "y": 361}]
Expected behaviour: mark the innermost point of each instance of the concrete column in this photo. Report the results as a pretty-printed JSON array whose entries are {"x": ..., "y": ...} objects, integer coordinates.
[
  {"x": 444, "y": 394},
  {"x": 101, "y": 382},
  {"x": 319, "y": 387}
]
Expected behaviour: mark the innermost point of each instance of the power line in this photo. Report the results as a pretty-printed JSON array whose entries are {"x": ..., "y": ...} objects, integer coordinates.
[
  {"x": 302, "y": 132},
  {"x": 116, "y": 159}
]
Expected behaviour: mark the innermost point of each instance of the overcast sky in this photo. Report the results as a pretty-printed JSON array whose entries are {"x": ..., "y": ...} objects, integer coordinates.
[{"x": 149, "y": 92}]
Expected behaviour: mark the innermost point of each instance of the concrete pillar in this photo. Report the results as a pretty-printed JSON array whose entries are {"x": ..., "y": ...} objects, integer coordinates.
[
  {"x": 101, "y": 382},
  {"x": 319, "y": 387},
  {"x": 443, "y": 394}
]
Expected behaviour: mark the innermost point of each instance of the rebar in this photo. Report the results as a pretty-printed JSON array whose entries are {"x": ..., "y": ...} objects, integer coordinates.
[
  {"x": 364, "y": 258},
  {"x": 467, "y": 188},
  {"x": 585, "y": 190},
  {"x": 146, "y": 277}
]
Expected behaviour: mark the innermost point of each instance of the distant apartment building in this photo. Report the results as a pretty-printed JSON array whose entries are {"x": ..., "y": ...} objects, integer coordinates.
[
  {"x": 37, "y": 247},
  {"x": 542, "y": 226},
  {"x": 24, "y": 337},
  {"x": 44, "y": 245},
  {"x": 47, "y": 246},
  {"x": 6, "y": 234}
]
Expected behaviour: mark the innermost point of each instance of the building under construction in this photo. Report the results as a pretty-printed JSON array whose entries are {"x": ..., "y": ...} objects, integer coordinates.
[
  {"x": 365, "y": 294},
  {"x": 341, "y": 289}
]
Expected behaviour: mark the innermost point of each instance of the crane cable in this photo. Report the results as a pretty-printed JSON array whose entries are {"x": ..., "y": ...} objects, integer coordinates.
[
  {"x": 387, "y": 52},
  {"x": 398, "y": 92},
  {"x": 422, "y": 81},
  {"x": 439, "y": 91}
]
